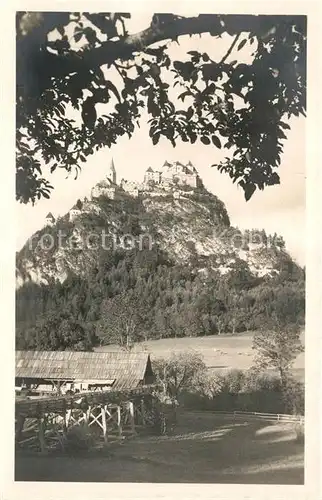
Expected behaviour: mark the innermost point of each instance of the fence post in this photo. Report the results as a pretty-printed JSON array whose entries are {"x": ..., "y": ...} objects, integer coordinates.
[
  {"x": 41, "y": 433},
  {"x": 131, "y": 415},
  {"x": 104, "y": 423},
  {"x": 119, "y": 421},
  {"x": 142, "y": 412}
]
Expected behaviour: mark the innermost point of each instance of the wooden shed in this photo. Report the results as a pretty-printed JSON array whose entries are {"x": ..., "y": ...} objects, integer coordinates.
[{"x": 63, "y": 371}]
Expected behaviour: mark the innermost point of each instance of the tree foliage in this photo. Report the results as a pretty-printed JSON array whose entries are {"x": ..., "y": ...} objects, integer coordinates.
[
  {"x": 178, "y": 372},
  {"x": 123, "y": 320},
  {"x": 278, "y": 347},
  {"x": 56, "y": 331},
  {"x": 239, "y": 390},
  {"x": 75, "y": 61},
  {"x": 149, "y": 296}
]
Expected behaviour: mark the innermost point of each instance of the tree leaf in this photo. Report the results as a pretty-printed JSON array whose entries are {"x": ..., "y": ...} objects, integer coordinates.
[
  {"x": 78, "y": 36},
  {"x": 241, "y": 45},
  {"x": 183, "y": 95},
  {"x": 112, "y": 87},
  {"x": 189, "y": 113},
  {"x": 216, "y": 141},
  {"x": 249, "y": 190},
  {"x": 285, "y": 126},
  {"x": 90, "y": 35},
  {"x": 193, "y": 137},
  {"x": 155, "y": 138},
  {"x": 205, "y": 140}
]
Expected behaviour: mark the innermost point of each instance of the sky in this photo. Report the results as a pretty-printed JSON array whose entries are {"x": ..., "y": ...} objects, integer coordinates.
[{"x": 279, "y": 209}]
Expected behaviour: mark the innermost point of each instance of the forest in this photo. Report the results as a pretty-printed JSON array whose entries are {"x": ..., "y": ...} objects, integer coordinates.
[{"x": 135, "y": 295}]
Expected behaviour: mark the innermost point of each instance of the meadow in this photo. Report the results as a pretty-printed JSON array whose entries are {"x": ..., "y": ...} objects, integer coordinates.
[
  {"x": 205, "y": 448},
  {"x": 220, "y": 352}
]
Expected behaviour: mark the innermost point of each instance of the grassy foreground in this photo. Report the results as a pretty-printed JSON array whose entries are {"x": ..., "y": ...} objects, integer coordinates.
[{"x": 203, "y": 449}]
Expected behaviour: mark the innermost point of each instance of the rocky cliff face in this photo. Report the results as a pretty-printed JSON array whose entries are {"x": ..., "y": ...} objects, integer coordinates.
[{"x": 193, "y": 227}]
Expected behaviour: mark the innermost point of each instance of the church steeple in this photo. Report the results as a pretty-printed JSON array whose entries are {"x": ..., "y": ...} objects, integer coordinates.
[{"x": 111, "y": 173}]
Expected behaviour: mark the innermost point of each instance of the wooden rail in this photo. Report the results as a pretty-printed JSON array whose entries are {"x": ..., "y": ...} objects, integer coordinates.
[
  {"x": 116, "y": 414},
  {"x": 279, "y": 417},
  {"x": 59, "y": 404}
]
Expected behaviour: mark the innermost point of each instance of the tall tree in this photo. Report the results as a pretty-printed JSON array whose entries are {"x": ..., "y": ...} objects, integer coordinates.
[
  {"x": 123, "y": 320},
  {"x": 277, "y": 347},
  {"x": 178, "y": 372},
  {"x": 78, "y": 60}
]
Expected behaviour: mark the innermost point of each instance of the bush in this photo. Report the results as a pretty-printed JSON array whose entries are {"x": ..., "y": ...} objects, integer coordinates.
[
  {"x": 236, "y": 390},
  {"x": 78, "y": 440},
  {"x": 294, "y": 397},
  {"x": 299, "y": 431}
]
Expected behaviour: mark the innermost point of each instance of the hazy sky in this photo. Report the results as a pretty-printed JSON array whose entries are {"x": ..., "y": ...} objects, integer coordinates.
[{"x": 278, "y": 209}]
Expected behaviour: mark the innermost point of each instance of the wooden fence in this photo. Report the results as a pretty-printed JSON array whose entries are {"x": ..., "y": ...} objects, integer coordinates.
[{"x": 273, "y": 417}]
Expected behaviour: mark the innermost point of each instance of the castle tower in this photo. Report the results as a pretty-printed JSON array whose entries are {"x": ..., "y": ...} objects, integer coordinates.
[
  {"x": 50, "y": 219},
  {"x": 111, "y": 173}
]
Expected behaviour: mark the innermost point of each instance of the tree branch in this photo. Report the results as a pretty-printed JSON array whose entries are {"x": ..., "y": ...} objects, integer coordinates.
[
  {"x": 125, "y": 48},
  {"x": 229, "y": 51}
]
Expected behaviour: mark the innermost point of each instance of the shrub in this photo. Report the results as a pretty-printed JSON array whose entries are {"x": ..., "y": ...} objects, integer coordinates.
[
  {"x": 294, "y": 396},
  {"x": 78, "y": 440},
  {"x": 237, "y": 390},
  {"x": 180, "y": 372},
  {"x": 299, "y": 431}
]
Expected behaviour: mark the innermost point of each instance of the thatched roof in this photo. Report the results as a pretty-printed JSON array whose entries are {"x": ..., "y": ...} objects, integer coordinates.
[{"x": 127, "y": 370}]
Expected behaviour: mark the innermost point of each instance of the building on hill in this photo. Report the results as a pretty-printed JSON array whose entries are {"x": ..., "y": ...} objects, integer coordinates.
[
  {"x": 152, "y": 176},
  {"x": 174, "y": 174},
  {"x": 104, "y": 188},
  {"x": 59, "y": 371},
  {"x": 130, "y": 187},
  {"x": 74, "y": 212},
  {"x": 108, "y": 186},
  {"x": 49, "y": 219},
  {"x": 171, "y": 175}
]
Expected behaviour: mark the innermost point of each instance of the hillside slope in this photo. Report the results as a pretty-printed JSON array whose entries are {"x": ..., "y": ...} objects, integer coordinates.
[
  {"x": 157, "y": 265},
  {"x": 194, "y": 229}
]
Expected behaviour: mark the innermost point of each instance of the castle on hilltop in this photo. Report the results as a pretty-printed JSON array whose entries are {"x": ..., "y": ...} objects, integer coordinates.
[
  {"x": 169, "y": 178},
  {"x": 173, "y": 174},
  {"x": 174, "y": 178}
]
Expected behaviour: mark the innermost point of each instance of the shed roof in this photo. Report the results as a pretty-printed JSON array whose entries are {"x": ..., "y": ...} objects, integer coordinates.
[{"x": 127, "y": 369}]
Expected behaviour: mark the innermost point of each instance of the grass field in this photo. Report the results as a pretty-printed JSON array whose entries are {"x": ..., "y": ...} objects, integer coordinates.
[
  {"x": 204, "y": 449},
  {"x": 219, "y": 352}
]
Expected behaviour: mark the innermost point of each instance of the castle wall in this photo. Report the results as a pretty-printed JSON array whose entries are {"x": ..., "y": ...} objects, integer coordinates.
[
  {"x": 103, "y": 191},
  {"x": 152, "y": 176}
]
